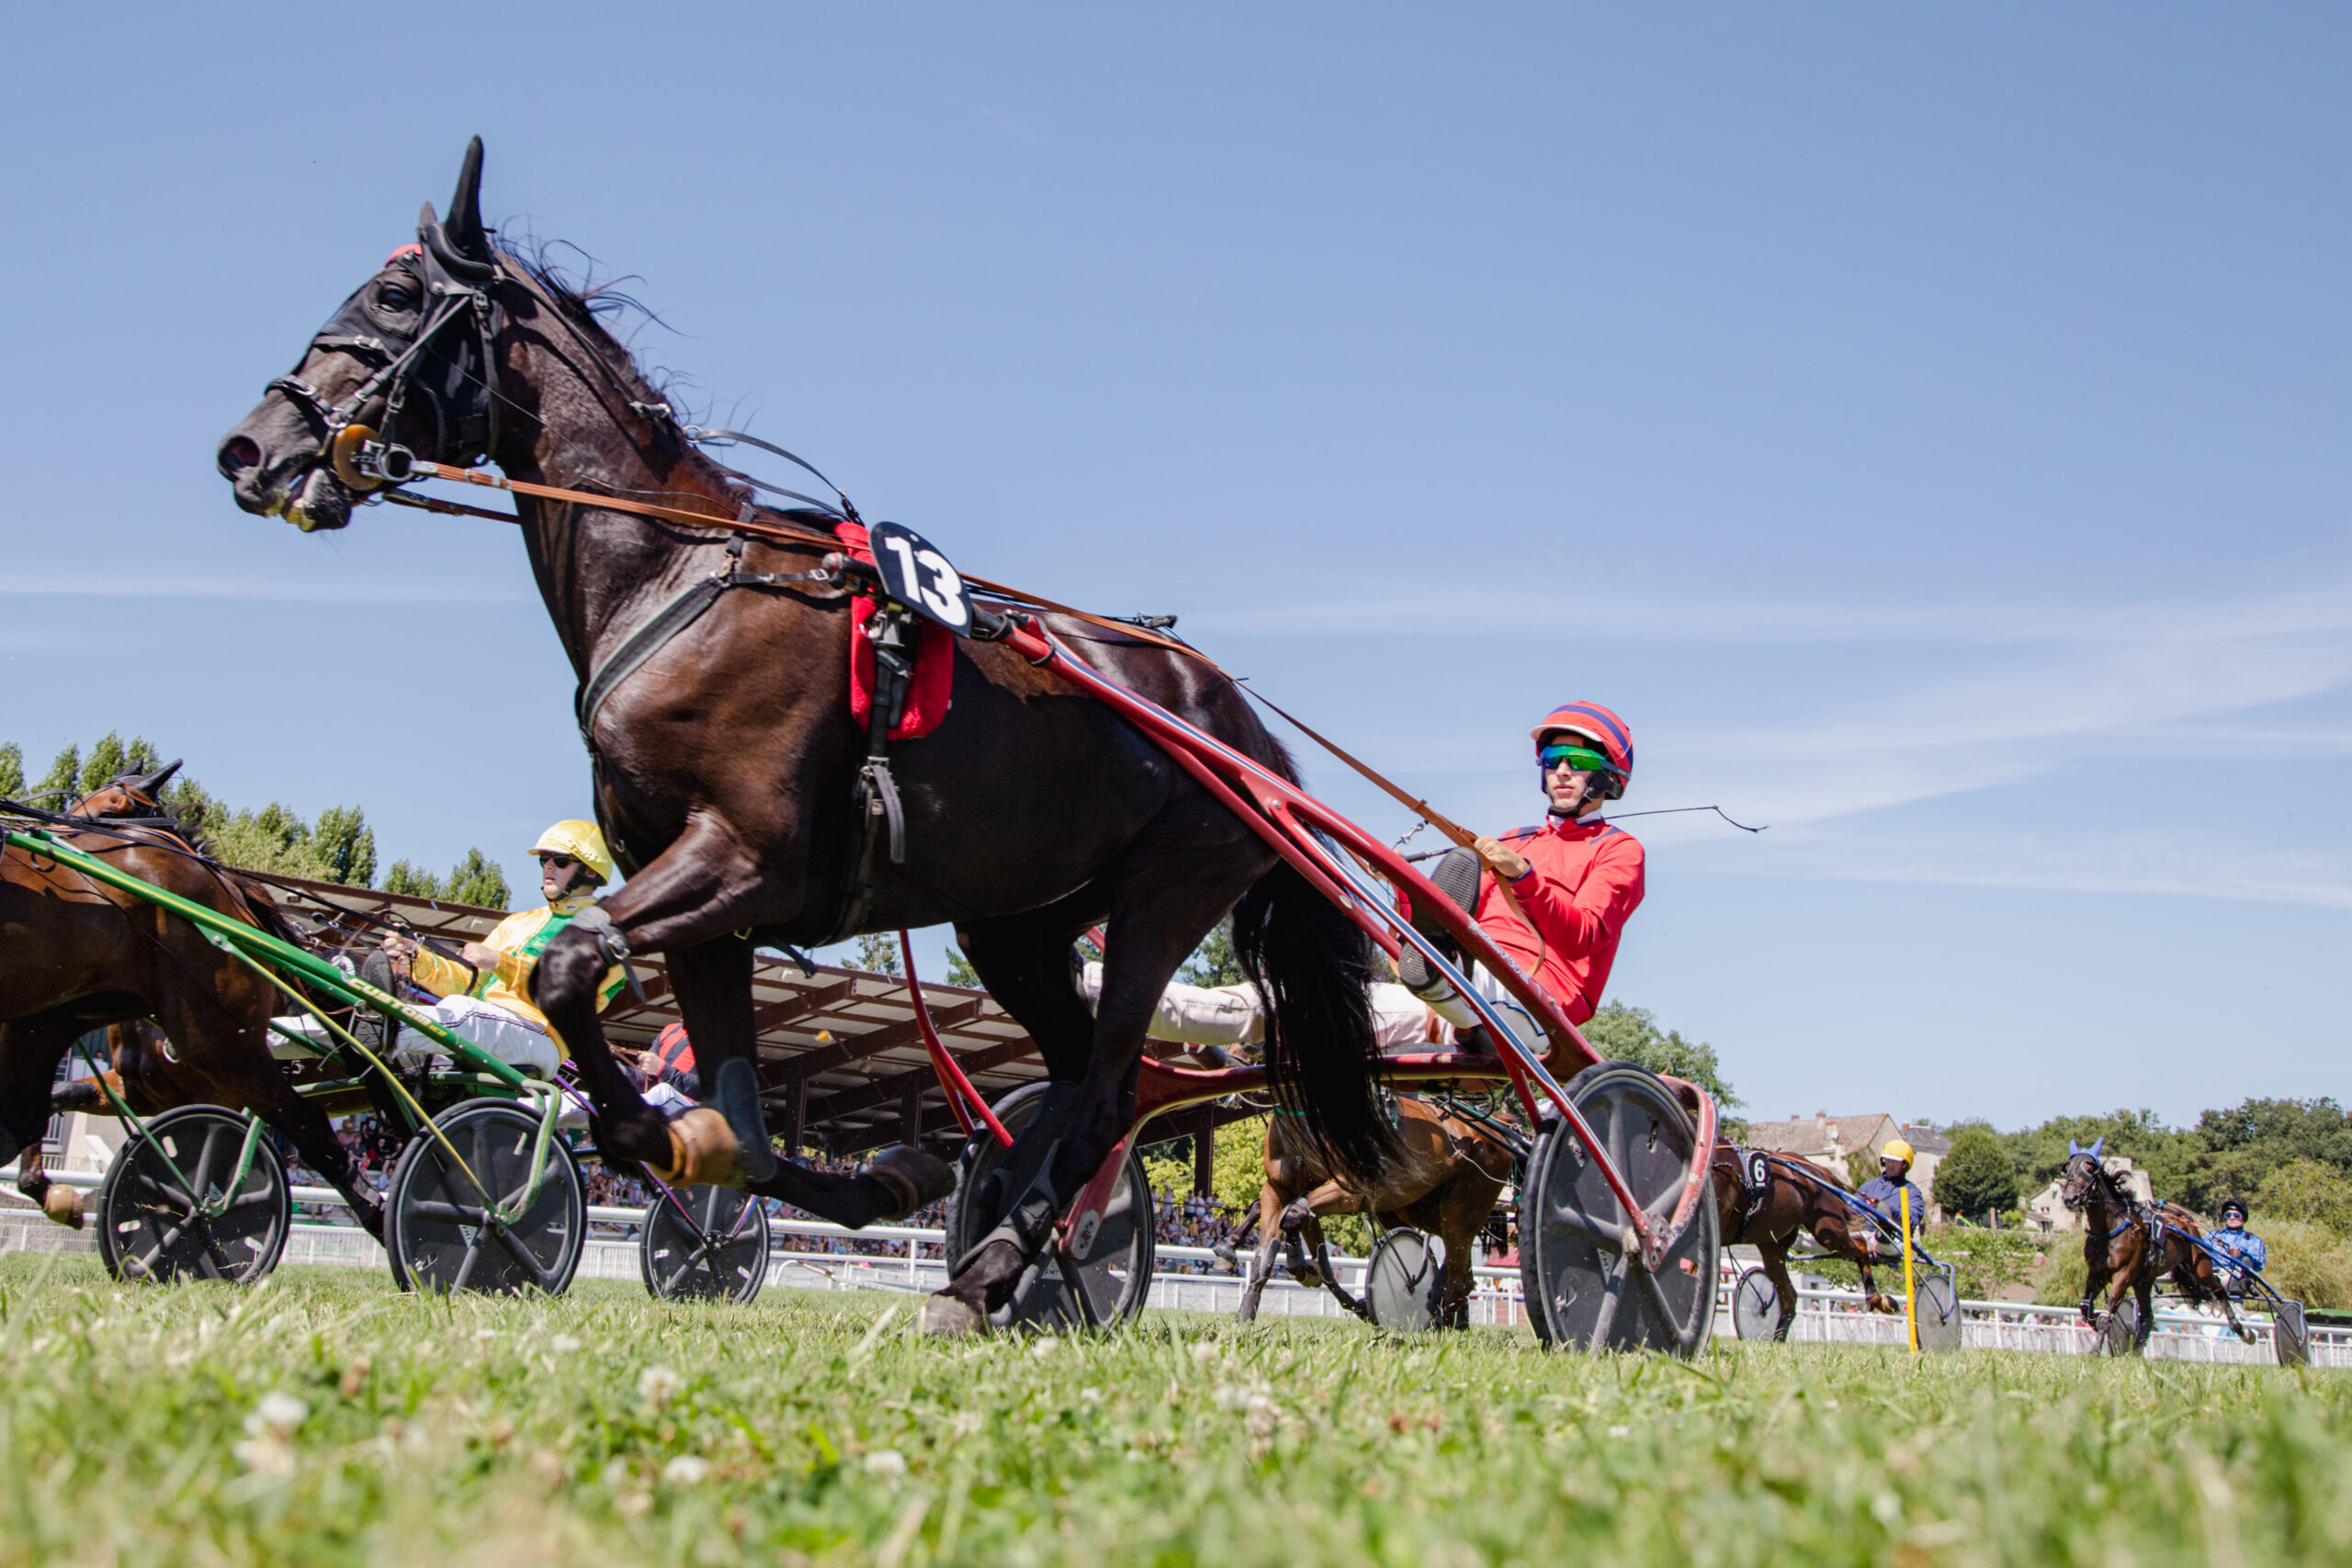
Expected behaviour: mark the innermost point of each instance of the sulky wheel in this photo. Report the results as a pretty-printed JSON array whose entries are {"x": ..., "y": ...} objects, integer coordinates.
[
  {"x": 1405, "y": 1281},
  {"x": 182, "y": 1201},
  {"x": 2290, "y": 1338},
  {"x": 1935, "y": 1310},
  {"x": 1115, "y": 1268},
  {"x": 704, "y": 1243},
  {"x": 2119, "y": 1334},
  {"x": 443, "y": 1236},
  {"x": 1755, "y": 1306},
  {"x": 1584, "y": 1292}
]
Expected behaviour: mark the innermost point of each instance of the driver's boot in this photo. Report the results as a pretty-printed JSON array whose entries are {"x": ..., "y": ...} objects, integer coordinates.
[{"x": 1457, "y": 877}]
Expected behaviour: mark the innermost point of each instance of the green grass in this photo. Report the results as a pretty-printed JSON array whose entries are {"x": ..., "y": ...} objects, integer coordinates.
[{"x": 139, "y": 1425}]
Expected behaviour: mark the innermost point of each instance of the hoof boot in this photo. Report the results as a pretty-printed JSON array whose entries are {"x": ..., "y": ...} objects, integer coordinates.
[
  {"x": 914, "y": 1178},
  {"x": 62, "y": 1204},
  {"x": 703, "y": 1151},
  {"x": 945, "y": 1318}
]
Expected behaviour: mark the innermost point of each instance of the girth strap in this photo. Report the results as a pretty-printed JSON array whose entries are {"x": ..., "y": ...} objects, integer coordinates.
[{"x": 661, "y": 625}]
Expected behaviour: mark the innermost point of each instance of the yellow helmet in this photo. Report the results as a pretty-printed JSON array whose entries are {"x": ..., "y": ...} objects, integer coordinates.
[
  {"x": 584, "y": 842},
  {"x": 1897, "y": 1149}
]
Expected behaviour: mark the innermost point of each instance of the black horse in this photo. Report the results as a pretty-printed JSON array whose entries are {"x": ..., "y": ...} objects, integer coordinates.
[{"x": 727, "y": 767}]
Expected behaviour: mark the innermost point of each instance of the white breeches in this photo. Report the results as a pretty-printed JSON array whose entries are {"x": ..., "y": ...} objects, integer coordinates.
[
  {"x": 512, "y": 1038},
  {"x": 1232, "y": 1015}
]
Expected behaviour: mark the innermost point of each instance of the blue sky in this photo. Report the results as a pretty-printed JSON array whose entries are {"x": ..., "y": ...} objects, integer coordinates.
[{"x": 1928, "y": 431}]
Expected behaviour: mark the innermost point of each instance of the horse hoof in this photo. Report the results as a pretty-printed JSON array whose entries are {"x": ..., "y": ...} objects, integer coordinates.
[
  {"x": 703, "y": 1151},
  {"x": 914, "y": 1178},
  {"x": 946, "y": 1317},
  {"x": 62, "y": 1204}
]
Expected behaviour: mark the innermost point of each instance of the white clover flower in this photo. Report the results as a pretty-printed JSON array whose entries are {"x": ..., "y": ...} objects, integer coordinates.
[
  {"x": 1089, "y": 1395},
  {"x": 1044, "y": 1346},
  {"x": 686, "y": 1470},
  {"x": 657, "y": 1385},
  {"x": 278, "y": 1411},
  {"x": 1204, "y": 1352},
  {"x": 563, "y": 1344},
  {"x": 888, "y": 1463}
]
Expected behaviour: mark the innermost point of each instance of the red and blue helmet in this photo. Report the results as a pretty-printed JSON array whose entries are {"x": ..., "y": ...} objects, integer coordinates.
[{"x": 1610, "y": 736}]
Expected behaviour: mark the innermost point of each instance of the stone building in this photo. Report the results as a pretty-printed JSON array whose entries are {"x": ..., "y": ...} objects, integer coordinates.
[{"x": 1827, "y": 1141}]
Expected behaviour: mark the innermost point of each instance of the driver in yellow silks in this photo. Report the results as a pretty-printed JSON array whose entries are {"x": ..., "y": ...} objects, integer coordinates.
[{"x": 485, "y": 993}]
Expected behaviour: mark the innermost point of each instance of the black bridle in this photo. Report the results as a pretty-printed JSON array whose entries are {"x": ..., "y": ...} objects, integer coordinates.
[{"x": 457, "y": 386}]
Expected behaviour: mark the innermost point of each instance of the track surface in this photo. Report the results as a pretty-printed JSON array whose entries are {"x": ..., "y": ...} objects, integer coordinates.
[{"x": 324, "y": 1419}]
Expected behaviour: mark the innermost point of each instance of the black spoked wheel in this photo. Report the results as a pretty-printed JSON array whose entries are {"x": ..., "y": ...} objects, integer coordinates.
[
  {"x": 1584, "y": 1290},
  {"x": 1935, "y": 1308},
  {"x": 1755, "y": 1306},
  {"x": 704, "y": 1243},
  {"x": 1113, "y": 1266},
  {"x": 2290, "y": 1338},
  {"x": 1405, "y": 1281},
  {"x": 444, "y": 1237},
  {"x": 182, "y": 1201}
]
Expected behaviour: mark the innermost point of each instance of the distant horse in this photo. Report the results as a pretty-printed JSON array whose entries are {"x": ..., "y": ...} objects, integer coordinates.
[
  {"x": 737, "y": 789},
  {"x": 76, "y": 954},
  {"x": 1796, "y": 1198},
  {"x": 2133, "y": 1245},
  {"x": 1445, "y": 1181}
]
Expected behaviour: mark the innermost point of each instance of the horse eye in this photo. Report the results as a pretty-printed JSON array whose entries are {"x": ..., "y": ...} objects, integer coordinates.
[{"x": 396, "y": 296}]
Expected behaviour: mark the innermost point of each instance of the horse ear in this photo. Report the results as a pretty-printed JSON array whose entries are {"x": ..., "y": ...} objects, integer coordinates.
[
  {"x": 152, "y": 784},
  {"x": 2094, "y": 1150},
  {"x": 2073, "y": 1148},
  {"x": 464, "y": 227}
]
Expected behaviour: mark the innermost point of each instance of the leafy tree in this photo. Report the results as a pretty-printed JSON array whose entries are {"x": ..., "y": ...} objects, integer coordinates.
[
  {"x": 878, "y": 953},
  {"x": 59, "y": 782},
  {"x": 475, "y": 880},
  {"x": 2167, "y": 1153},
  {"x": 110, "y": 759},
  {"x": 2308, "y": 1190},
  {"x": 960, "y": 971},
  {"x": 1622, "y": 1034},
  {"x": 2307, "y": 1129},
  {"x": 1213, "y": 963},
  {"x": 12, "y": 770},
  {"x": 1975, "y": 1177}
]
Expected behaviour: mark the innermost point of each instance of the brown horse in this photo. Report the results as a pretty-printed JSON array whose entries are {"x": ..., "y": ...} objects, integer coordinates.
[
  {"x": 2133, "y": 1245},
  {"x": 736, "y": 789},
  {"x": 1445, "y": 1181},
  {"x": 1795, "y": 1198},
  {"x": 76, "y": 954}
]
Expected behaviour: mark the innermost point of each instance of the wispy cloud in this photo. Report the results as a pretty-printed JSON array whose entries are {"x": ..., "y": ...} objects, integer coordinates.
[{"x": 114, "y": 585}]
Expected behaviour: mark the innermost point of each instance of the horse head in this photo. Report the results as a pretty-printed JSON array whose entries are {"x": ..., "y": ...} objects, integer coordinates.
[
  {"x": 2084, "y": 1177},
  {"x": 402, "y": 369},
  {"x": 127, "y": 794}
]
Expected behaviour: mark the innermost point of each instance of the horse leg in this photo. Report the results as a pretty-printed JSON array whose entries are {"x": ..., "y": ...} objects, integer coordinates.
[
  {"x": 1776, "y": 1268},
  {"x": 1270, "y": 1206},
  {"x": 1463, "y": 1204},
  {"x": 31, "y": 1049},
  {"x": 712, "y": 981},
  {"x": 1025, "y": 962},
  {"x": 704, "y": 887}
]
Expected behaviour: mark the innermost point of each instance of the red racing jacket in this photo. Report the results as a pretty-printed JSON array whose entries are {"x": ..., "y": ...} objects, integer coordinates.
[{"x": 1584, "y": 881}]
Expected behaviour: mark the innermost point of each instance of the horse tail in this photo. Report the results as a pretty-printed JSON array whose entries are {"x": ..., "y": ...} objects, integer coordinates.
[{"x": 1312, "y": 965}]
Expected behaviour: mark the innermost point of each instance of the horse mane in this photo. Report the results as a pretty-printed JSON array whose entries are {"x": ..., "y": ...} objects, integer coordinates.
[{"x": 585, "y": 304}]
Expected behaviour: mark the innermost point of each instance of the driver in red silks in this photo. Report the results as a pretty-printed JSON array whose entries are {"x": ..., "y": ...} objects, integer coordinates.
[{"x": 1577, "y": 878}]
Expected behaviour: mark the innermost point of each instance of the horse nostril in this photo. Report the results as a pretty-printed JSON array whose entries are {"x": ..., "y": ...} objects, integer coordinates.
[{"x": 238, "y": 453}]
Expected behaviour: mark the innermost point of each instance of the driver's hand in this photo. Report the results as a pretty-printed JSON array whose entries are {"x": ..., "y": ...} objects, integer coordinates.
[
  {"x": 1503, "y": 860},
  {"x": 398, "y": 949},
  {"x": 483, "y": 958}
]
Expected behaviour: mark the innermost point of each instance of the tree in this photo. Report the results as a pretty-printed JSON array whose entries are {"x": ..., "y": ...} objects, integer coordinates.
[
  {"x": 2305, "y": 1129},
  {"x": 12, "y": 770},
  {"x": 878, "y": 953},
  {"x": 59, "y": 782},
  {"x": 1622, "y": 1034},
  {"x": 475, "y": 880},
  {"x": 1975, "y": 1177},
  {"x": 960, "y": 971},
  {"x": 1213, "y": 963},
  {"x": 2307, "y": 1190}
]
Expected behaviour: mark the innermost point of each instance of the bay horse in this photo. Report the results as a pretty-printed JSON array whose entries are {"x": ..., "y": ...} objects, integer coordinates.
[
  {"x": 1444, "y": 1180},
  {"x": 727, "y": 764},
  {"x": 1795, "y": 1198},
  {"x": 2132, "y": 1245},
  {"x": 76, "y": 956}
]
